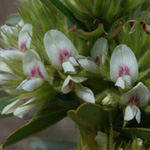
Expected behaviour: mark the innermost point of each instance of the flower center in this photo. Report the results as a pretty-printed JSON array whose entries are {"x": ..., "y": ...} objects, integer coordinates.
[
  {"x": 123, "y": 70},
  {"x": 98, "y": 59},
  {"x": 63, "y": 55},
  {"x": 36, "y": 71},
  {"x": 134, "y": 99}
]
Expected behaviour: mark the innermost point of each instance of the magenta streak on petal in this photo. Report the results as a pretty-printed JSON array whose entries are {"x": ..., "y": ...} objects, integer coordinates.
[
  {"x": 134, "y": 110},
  {"x": 28, "y": 78},
  {"x": 33, "y": 71},
  {"x": 39, "y": 72},
  {"x": 23, "y": 45},
  {"x": 98, "y": 59},
  {"x": 25, "y": 99},
  {"x": 134, "y": 99},
  {"x": 70, "y": 84},
  {"x": 88, "y": 92},
  {"x": 62, "y": 54},
  {"x": 123, "y": 70}
]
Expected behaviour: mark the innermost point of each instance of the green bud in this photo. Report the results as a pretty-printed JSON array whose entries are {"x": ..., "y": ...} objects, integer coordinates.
[
  {"x": 102, "y": 140},
  {"x": 137, "y": 144}
]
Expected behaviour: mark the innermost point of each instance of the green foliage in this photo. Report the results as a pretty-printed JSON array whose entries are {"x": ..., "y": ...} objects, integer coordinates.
[
  {"x": 95, "y": 119},
  {"x": 53, "y": 112}
]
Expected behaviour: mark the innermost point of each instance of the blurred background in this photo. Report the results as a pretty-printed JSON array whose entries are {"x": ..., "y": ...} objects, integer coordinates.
[{"x": 65, "y": 130}]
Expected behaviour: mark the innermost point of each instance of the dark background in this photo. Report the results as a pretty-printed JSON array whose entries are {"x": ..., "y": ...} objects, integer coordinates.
[{"x": 65, "y": 130}]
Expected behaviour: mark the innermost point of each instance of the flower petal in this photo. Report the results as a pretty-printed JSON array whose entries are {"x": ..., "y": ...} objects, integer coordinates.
[
  {"x": 99, "y": 49},
  {"x": 13, "y": 54},
  {"x": 138, "y": 115},
  {"x": 123, "y": 62},
  {"x": 33, "y": 66},
  {"x": 67, "y": 85},
  {"x": 24, "y": 39},
  {"x": 120, "y": 83},
  {"x": 73, "y": 61},
  {"x": 26, "y": 111},
  {"x": 139, "y": 95},
  {"x": 30, "y": 84},
  {"x": 5, "y": 68},
  {"x": 5, "y": 77},
  {"x": 8, "y": 30},
  {"x": 58, "y": 47},
  {"x": 11, "y": 107},
  {"x": 85, "y": 94},
  {"x": 68, "y": 67},
  {"x": 89, "y": 65},
  {"x": 129, "y": 114}
]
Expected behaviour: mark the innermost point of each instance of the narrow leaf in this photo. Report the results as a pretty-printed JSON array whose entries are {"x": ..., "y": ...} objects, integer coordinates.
[
  {"x": 64, "y": 11},
  {"x": 33, "y": 127}
]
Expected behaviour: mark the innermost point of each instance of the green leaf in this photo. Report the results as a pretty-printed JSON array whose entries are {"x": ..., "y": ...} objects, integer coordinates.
[
  {"x": 91, "y": 35},
  {"x": 64, "y": 10},
  {"x": 33, "y": 127},
  {"x": 13, "y": 19},
  {"x": 52, "y": 145},
  {"x": 142, "y": 133},
  {"x": 54, "y": 111},
  {"x": 90, "y": 116}
]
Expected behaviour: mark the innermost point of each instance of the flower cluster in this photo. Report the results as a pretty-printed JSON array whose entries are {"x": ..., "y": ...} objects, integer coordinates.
[{"x": 24, "y": 70}]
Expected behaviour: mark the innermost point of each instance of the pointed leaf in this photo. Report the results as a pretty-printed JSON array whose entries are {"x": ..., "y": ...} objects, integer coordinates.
[
  {"x": 64, "y": 10},
  {"x": 33, "y": 127}
]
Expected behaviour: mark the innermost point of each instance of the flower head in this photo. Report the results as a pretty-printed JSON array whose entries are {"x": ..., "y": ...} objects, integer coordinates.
[
  {"x": 98, "y": 53},
  {"x": 137, "y": 97},
  {"x": 22, "y": 108},
  {"x": 35, "y": 70},
  {"x": 123, "y": 66},
  {"x": 60, "y": 51}
]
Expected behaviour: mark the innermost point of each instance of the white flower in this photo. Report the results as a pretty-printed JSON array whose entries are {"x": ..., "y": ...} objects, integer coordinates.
[
  {"x": 8, "y": 31},
  {"x": 67, "y": 85},
  {"x": 11, "y": 54},
  {"x": 123, "y": 66},
  {"x": 24, "y": 39},
  {"x": 82, "y": 92},
  {"x": 5, "y": 78},
  {"x": 21, "y": 108},
  {"x": 35, "y": 70},
  {"x": 137, "y": 97},
  {"x": 60, "y": 51},
  {"x": 85, "y": 94},
  {"x": 24, "y": 42},
  {"x": 98, "y": 53}
]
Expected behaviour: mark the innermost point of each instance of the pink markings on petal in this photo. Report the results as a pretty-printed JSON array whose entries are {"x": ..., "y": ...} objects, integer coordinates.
[
  {"x": 63, "y": 54},
  {"x": 134, "y": 110},
  {"x": 70, "y": 84},
  {"x": 36, "y": 71},
  {"x": 123, "y": 70},
  {"x": 98, "y": 59},
  {"x": 39, "y": 72},
  {"x": 24, "y": 99},
  {"x": 134, "y": 99},
  {"x": 23, "y": 46},
  {"x": 33, "y": 71}
]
